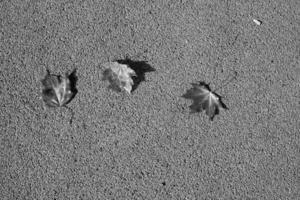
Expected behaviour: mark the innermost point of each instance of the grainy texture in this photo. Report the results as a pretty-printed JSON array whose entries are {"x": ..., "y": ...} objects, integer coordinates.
[{"x": 147, "y": 145}]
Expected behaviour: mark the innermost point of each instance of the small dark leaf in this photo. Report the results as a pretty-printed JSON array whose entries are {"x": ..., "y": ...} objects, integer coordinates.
[
  {"x": 59, "y": 90},
  {"x": 204, "y": 99}
]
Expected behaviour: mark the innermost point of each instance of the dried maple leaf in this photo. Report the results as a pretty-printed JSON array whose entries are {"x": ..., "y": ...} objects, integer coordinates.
[
  {"x": 59, "y": 90},
  {"x": 204, "y": 99},
  {"x": 140, "y": 68},
  {"x": 119, "y": 76}
]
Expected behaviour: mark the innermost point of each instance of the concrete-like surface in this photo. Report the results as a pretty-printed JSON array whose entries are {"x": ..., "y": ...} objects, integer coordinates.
[{"x": 147, "y": 145}]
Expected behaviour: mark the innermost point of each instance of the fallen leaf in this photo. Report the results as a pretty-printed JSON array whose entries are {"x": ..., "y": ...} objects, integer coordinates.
[
  {"x": 59, "y": 90},
  {"x": 140, "y": 68},
  {"x": 204, "y": 99},
  {"x": 119, "y": 76}
]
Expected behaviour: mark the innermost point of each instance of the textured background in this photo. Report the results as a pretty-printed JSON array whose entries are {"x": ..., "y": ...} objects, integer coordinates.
[{"x": 147, "y": 145}]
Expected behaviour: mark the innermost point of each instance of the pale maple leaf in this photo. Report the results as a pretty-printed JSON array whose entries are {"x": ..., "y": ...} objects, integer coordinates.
[
  {"x": 59, "y": 90},
  {"x": 119, "y": 76},
  {"x": 204, "y": 99}
]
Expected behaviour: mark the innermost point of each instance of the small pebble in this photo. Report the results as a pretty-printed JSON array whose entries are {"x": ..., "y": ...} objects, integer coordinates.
[{"x": 258, "y": 22}]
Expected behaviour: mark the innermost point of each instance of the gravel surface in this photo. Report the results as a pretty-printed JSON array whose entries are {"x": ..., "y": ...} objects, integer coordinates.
[{"x": 147, "y": 145}]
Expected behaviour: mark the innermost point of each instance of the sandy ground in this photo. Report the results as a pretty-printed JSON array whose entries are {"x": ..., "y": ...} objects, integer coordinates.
[{"x": 147, "y": 145}]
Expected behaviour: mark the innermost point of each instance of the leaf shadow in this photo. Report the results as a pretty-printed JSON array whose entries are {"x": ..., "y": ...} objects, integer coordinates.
[
  {"x": 140, "y": 68},
  {"x": 73, "y": 83}
]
